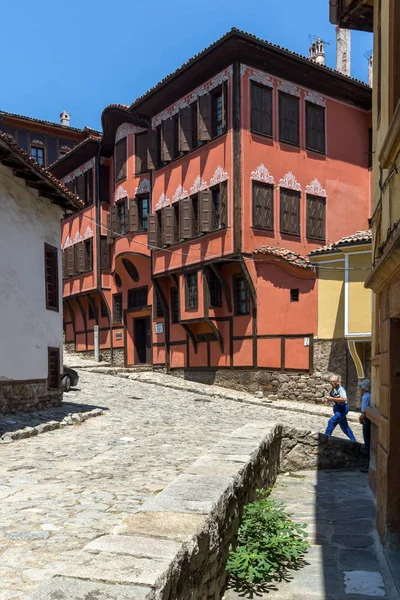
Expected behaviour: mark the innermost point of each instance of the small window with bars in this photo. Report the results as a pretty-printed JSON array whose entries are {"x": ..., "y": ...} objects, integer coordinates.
[
  {"x": 137, "y": 297},
  {"x": 53, "y": 361},
  {"x": 117, "y": 308},
  {"x": 174, "y": 295},
  {"x": 263, "y": 205},
  {"x": 215, "y": 289},
  {"x": 191, "y": 291},
  {"x": 241, "y": 296},
  {"x": 51, "y": 277},
  {"x": 294, "y": 295}
]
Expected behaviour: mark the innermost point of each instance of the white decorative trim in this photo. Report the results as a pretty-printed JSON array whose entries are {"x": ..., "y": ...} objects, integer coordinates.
[
  {"x": 67, "y": 243},
  {"x": 192, "y": 96},
  {"x": 37, "y": 142},
  {"x": 315, "y": 188},
  {"x": 261, "y": 173},
  {"x": 315, "y": 98},
  {"x": 256, "y": 75},
  {"x": 88, "y": 233},
  {"x": 66, "y": 148},
  {"x": 163, "y": 202},
  {"x": 199, "y": 185},
  {"x": 88, "y": 165},
  {"x": 120, "y": 193},
  {"x": 143, "y": 187},
  {"x": 219, "y": 176},
  {"x": 127, "y": 129},
  {"x": 180, "y": 194},
  {"x": 289, "y": 181},
  {"x": 289, "y": 88},
  {"x": 77, "y": 238}
]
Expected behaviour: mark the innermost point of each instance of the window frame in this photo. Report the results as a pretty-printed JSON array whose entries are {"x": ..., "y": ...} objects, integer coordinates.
[
  {"x": 191, "y": 295},
  {"x": 298, "y": 194},
  {"x": 123, "y": 225},
  {"x": 264, "y": 185},
  {"x": 52, "y": 251},
  {"x": 56, "y": 353},
  {"x": 311, "y": 198},
  {"x": 140, "y": 199},
  {"x": 282, "y": 95},
  {"x": 143, "y": 289},
  {"x": 253, "y": 85},
  {"x": 37, "y": 147},
  {"x": 118, "y": 297},
  {"x": 214, "y": 288},
  {"x": 236, "y": 277},
  {"x": 320, "y": 109}
]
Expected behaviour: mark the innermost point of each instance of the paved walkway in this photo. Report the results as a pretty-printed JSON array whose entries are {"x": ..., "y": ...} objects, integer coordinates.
[
  {"x": 345, "y": 560},
  {"x": 62, "y": 488}
]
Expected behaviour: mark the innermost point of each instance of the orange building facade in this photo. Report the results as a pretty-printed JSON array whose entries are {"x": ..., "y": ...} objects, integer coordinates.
[{"x": 204, "y": 198}]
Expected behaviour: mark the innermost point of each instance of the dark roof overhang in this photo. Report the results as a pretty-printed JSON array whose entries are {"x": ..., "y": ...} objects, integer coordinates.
[
  {"x": 352, "y": 14},
  {"x": 112, "y": 117},
  {"x": 75, "y": 158}
]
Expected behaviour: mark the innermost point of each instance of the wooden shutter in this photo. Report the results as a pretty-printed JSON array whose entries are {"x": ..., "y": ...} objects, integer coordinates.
[
  {"x": 141, "y": 152},
  {"x": 224, "y": 105},
  {"x": 167, "y": 140},
  {"x": 110, "y": 235},
  {"x": 64, "y": 264},
  {"x": 224, "y": 204},
  {"x": 168, "y": 225},
  {"x": 105, "y": 263},
  {"x": 263, "y": 205},
  {"x": 256, "y": 107},
  {"x": 290, "y": 212},
  {"x": 104, "y": 184},
  {"x": 185, "y": 129},
  {"x": 70, "y": 261},
  {"x": 205, "y": 117},
  {"x": 315, "y": 127},
  {"x": 205, "y": 213},
  {"x": 316, "y": 217},
  {"x": 80, "y": 257},
  {"x": 120, "y": 159},
  {"x": 152, "y": 232},
  {"x": 152, "y": 149},
  {"x": 186, "y": 219},
  {"x": 261, "y": 108},
  {"x": 133, "y": 215},
  {"x": 288, "y": 118},
  {"x": 115, "y": 223},
  {"x": 80, "y": 187}
]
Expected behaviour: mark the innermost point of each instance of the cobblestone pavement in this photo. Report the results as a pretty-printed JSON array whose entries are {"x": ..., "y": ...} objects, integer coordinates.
[
  {"x": 65, "y": 487},
  {"x": 345, "y": 561}
]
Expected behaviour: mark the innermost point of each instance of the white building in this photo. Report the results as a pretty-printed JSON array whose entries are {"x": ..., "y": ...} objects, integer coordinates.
[{"x": 32, "y": 203}]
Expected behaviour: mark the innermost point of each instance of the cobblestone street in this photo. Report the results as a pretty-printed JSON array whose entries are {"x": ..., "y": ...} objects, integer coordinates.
[{"x": 65, "y": 487}]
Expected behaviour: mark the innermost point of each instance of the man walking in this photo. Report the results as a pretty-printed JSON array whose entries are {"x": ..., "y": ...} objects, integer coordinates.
[
  {"x": 365, "y": 387},
  {"x": 340, "y": 408}
]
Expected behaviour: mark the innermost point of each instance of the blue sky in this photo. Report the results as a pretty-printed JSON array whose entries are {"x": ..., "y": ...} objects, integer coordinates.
[{"x": 80, "y": 55}]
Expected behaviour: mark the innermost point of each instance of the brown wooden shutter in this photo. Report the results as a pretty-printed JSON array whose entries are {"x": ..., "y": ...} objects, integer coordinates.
[
  {"x": 263, "y": 205},
  {"x": 205, "y": 206},
  {"x": 256, "y": 107},
  {"x": 80, "y": 257},
  {"x": 185, "y": 129},
  {"x": 152, "y": 149},
  {"x": 205, "y": 117},
  {"x": 224, "y": 203},
  {"x": 224, "y": 105},
  {"x": 261, "y": 109},
  {"x": 133, "y": 215},
  {"x": 80, "y": 187},
  {"x": 141, "y": 152},
  {"x": 152, "y": 232},
  {"x": 89, "y": 186},
  {"x": 64, "y": 264},
  {"x": 167, "y": 145},
  {"x": 105, "y": 262},
  {"x": 168, "y": 225},
  {"x": 104, "y": 184},
  {"x": 315, "y": 127},
  {"x": 110, "y": 236},
  {"x": 316, "y": 217},
  {"x": 115, "y": 222},
  {"x": 290, "y": 212},
  {"x": 186, "y": 219},
  {"x": 120, "y": 159},
  {"x": 70, "y": 261},
  {"x": 288, "y": 118}
]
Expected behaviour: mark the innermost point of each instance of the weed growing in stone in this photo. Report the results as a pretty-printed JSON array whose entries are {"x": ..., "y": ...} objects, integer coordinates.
[{"x": 269, "y": 543}]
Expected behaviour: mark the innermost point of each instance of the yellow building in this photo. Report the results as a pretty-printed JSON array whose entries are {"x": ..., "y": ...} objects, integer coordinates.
[
  {"x": 344, "y": 305},
  {"x": 383, "y": 18}
]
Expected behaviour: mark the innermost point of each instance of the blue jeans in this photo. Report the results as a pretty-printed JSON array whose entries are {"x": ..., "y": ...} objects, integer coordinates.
[{"x": 339, "y": 418}]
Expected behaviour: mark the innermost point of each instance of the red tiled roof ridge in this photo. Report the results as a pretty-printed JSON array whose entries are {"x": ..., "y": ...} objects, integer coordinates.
[
  {"x": 359, "y": 237},
  {"x": 12, "y": 144},
  {"x": 35, "y": 120},
  {"x": 289, "y": 256}
]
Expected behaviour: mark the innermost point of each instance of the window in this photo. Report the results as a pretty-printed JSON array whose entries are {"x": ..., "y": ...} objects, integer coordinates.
[
  {"x": 261, "y": 108},
  {"x": 290, "y": 211},
  {"x": 53, "y": 363},
  {"x": 37, "y": 153},
  {"x": 195, "y": 133},
  {"x": 143, "y": 208},
  {"x": 288, "y": 119},
  {"x": 195, "y": 215},
  {"x": 174, "y": 294},
  {"x": 177, "y": 222},
  {"x": 218, "y": 207},
  {"x": 137, "y": 297},
  {"x": 51, "y": 277},
  {"x": 294, "y": 295},
  {"x": 120, "y": 159},
  {"x": 216, "y": 198},
  {"x": 103, "y": 309},
  {"x": 241, "y": 296},
  {"x": 141, "y": 144},
  {"x": 315, "y": 127},
  {"x": 91, "y": 309},
  {"x": 158, "y": 308},
  {"x": 263, "y": 205},
  {"x": 122, "y": 217},
  {"x": 88, "y": 244},
  {"x": 215, "y": 289},
  {"x": 105, "y": 259},
  {"x": 218, "y": 112},
  {"x": 316, "y": 208},
  {"x": 191, "y": 291},
  {"x": 117, "y": 308}
]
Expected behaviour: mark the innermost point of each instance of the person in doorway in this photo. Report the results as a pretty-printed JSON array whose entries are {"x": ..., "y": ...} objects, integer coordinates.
[
  {"x": 338, "y": 396},
  {"x": 365, "y": 387}
]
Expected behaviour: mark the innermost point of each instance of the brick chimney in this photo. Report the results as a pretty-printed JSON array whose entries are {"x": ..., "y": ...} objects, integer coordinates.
[
  {"x": 317, "y": 52},
  {"x": 65, "y": 118},
  {"x": 343, "y": 50}
]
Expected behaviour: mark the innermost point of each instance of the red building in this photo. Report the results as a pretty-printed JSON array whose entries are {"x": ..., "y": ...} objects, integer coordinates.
[{"x": 209, "y": 191}]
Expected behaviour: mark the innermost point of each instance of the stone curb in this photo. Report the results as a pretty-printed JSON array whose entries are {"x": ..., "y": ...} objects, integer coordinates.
[{"x": 69, "y": 419}]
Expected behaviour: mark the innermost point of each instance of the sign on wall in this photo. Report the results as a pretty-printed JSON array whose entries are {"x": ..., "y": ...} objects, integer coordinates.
[{"x": 159, "y": 327}]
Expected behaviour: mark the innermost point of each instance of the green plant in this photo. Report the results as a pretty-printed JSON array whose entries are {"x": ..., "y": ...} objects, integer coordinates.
[{"x": 269, "y": 543}]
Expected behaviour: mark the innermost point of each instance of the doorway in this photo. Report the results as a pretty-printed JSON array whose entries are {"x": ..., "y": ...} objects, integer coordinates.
[{"x": 142, "y": 340}]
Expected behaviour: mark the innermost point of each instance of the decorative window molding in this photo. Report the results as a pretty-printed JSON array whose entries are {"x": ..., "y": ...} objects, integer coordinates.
[
  {"x": 315, "y": 189},
  {"x": 143, "y": 187},
  {"x": 219, "y": 176},
  {"x": 199, "y": 185},
  {"x": 77, "y": 238},
  {"x": 126, "y": 129},
  {"x": 289, "y": 182},
  {"x": 180, "y": 194},
  {"x": 88, "y": 165},
  {"x": 262, "y": 174},
  {"x": 163, "y": 202},
  {"x": 37, "y": 143},
  {"x": 88, "y": 233},
  {"x": 67, "y": 243},
  {"x": 189, "y": 98},
  {"x": 256, "y": 75},
  {"x": 120, "y": 193},
  {"x": 65, "y": 148},
  {"x": 289, "y": 88},
  {"x": 315, "y": 98}
]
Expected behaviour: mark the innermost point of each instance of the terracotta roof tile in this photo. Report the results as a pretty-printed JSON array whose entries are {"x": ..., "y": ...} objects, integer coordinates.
[
  {"x": 360, "y": 237},
  {"x": 290, "y": 257},
  {"x": 66, "y": 127},
  {"x": 70, "y": 199}
]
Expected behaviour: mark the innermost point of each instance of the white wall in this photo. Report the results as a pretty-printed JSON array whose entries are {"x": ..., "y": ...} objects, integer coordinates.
[{"x": 26, "y": 327}]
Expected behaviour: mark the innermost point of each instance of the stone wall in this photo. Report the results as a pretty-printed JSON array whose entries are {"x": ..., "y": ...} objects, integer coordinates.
[
  {"x": 27, "y": 396},
  {"x": 105, "y": 354}
]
